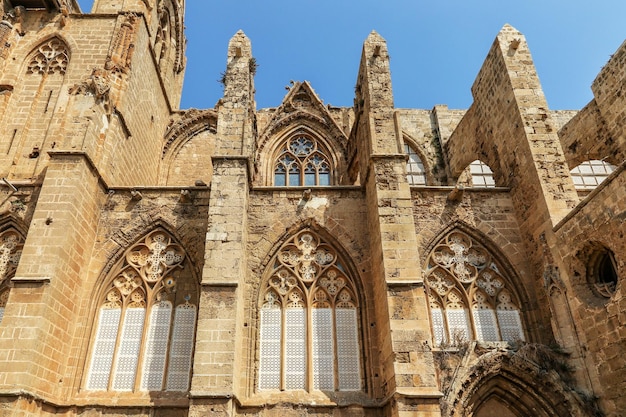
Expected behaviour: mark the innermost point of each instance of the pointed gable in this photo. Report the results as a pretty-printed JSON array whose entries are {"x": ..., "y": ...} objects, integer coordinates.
[{"x": 302, "y": 106}]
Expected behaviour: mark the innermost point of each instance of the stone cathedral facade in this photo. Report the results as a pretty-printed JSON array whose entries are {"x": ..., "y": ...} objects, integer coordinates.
[{"x": 304, "y": 259}]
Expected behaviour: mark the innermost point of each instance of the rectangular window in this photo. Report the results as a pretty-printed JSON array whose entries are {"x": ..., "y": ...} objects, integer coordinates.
[
  {"x": 156, "y": 347},
  {"x": 323, "y": 355},
  {"x": 309, "y": 179},
  {"x": 103, "y": 349},
  {"x": 295, "y": 348},
  {"x": 348, "y": 349},
  {"x": 269, "y": 357},
  {"x": 279, "y": 179},
  {"x": 128, "y": 353},
  {"x": 182, "y": 348},
  {"x": 486, "y": 327},
  {"x": 294, "y": 179},
  {"x": 510, "y": 325}
]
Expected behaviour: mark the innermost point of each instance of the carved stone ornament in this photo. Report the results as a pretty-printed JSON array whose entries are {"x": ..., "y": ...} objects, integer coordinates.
[
  {"x": 15, "y": 18},
  {"x": 147, "y": 272},
  {"x": 11, "y": 244},
  {"x": 98, "y": 84},
  {"x": 51, "y": 57},
  {"x": 122, "y": 49},
  {"x": 307, "y": 268}
]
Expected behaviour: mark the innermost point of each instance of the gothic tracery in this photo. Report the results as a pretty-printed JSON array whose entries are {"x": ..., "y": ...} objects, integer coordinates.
[
  {"x": 462, "y": 275},
  {"x": 52, "y": 57},
  {"x": 308, "y": 280},
  {"x": 11, "y": 244},
  {"x": 301, "y": 161},
  {"x": 151, "y": 289}
]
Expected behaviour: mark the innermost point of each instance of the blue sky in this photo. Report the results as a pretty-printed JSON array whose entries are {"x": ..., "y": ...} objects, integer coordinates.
[{"x": 436, "y": 46}]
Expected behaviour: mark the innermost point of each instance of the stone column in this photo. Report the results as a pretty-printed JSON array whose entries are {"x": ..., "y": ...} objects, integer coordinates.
[
  {"x": 219, "y": 336},
  {"x": 402, "y": 317}
]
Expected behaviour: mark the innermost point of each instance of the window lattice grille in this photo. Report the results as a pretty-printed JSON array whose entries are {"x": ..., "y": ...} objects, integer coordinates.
[
  {"x": 590, "y": 174},
  {"x": 11, "y": 245},
  {"x": 181, "y": 351},
  {"x": 461, "y": 275},
  {"x": 308, "y": 284},
  {"x": 156, "y": 347},
  {"x": 482, "y": 175},
  {"x": 4, "y": 296},
  {"x": 415, "y": 172},
  {"x": 133, "y": 347}
]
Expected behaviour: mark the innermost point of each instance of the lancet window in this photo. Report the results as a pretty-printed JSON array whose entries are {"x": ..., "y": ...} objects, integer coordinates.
[
  {"x": 146, "y": 321},
  {"x": 302, "y": 161},
  {"x": 415, "y": 172},
  {"x": 309, "y": 321},
  {"x": 11, "y": 245},
  {"x": 51, "y": 57},
  {"x": 590, "y": 174},
  {"x": 469, "y": 297}
]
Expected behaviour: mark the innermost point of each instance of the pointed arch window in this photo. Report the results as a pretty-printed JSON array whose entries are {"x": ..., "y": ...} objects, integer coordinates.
[
  {"x": 51, "y": 57},
  {"x": 481, "y": 174},
  {"x": 468, "y": 296},
  {"x": 309, "y": 321},
  {"x": 589, "y": 174},
  {"x": 302, "y": 161},
  {"x": 415, "y": 172},
  {"x": 146, "y": 321},
  {"x": 11, "y": 245}
]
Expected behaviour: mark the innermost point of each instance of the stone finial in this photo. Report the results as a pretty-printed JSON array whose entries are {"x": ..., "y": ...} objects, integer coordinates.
[{"x": 239, "y": 46}]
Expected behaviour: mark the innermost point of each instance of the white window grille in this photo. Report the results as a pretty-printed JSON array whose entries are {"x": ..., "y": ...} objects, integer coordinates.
[
  {"x": 309, "y": 327},
  {"x": 134, "y": 348},
  {"x": 482, "y": 176},
  {"x": 461, "y": 271},
  {"x": 590, "y": 174},
  {"x": 415, "y": 172}
]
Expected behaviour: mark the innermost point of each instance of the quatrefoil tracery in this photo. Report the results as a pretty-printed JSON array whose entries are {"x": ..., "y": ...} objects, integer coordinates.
[
  {"x": 459, "y": 265},
  {"x": 146, "y": 273},
  {"x": 308, "y": 269},
  {"x": 51, "y": 57}
]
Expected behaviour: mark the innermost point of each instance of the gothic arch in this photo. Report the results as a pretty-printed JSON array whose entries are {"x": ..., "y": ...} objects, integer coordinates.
[
  {"x": 178, "y": 36},
  {"x": 192, "y": 123},
  {"x": 468, "y": 144},
  {"x": 419, "y": 151},
  {"x": 151, "y": 284},
  {"x": 163, "y": 38},
  {"x": 12, "y": 238},
  {"x": 301, "y": 109},
  {"x": 484, "y": 240},
  {"x": 49, "y": 56},
  {"x": 13, "y": 74},
  {"x": 474, "y": 293},
  {"x": 527, "y": 387},
  {"x": 279, "y": 234},
  {"x": 333, "y": 257},
  {"x": 118, "y": 243},
  {"x": 8, "y": 220},
  {"x": 325, "y": 145}
]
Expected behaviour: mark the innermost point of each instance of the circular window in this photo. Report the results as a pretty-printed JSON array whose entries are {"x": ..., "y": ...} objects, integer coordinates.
[{"x": 602, "y": 272}]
